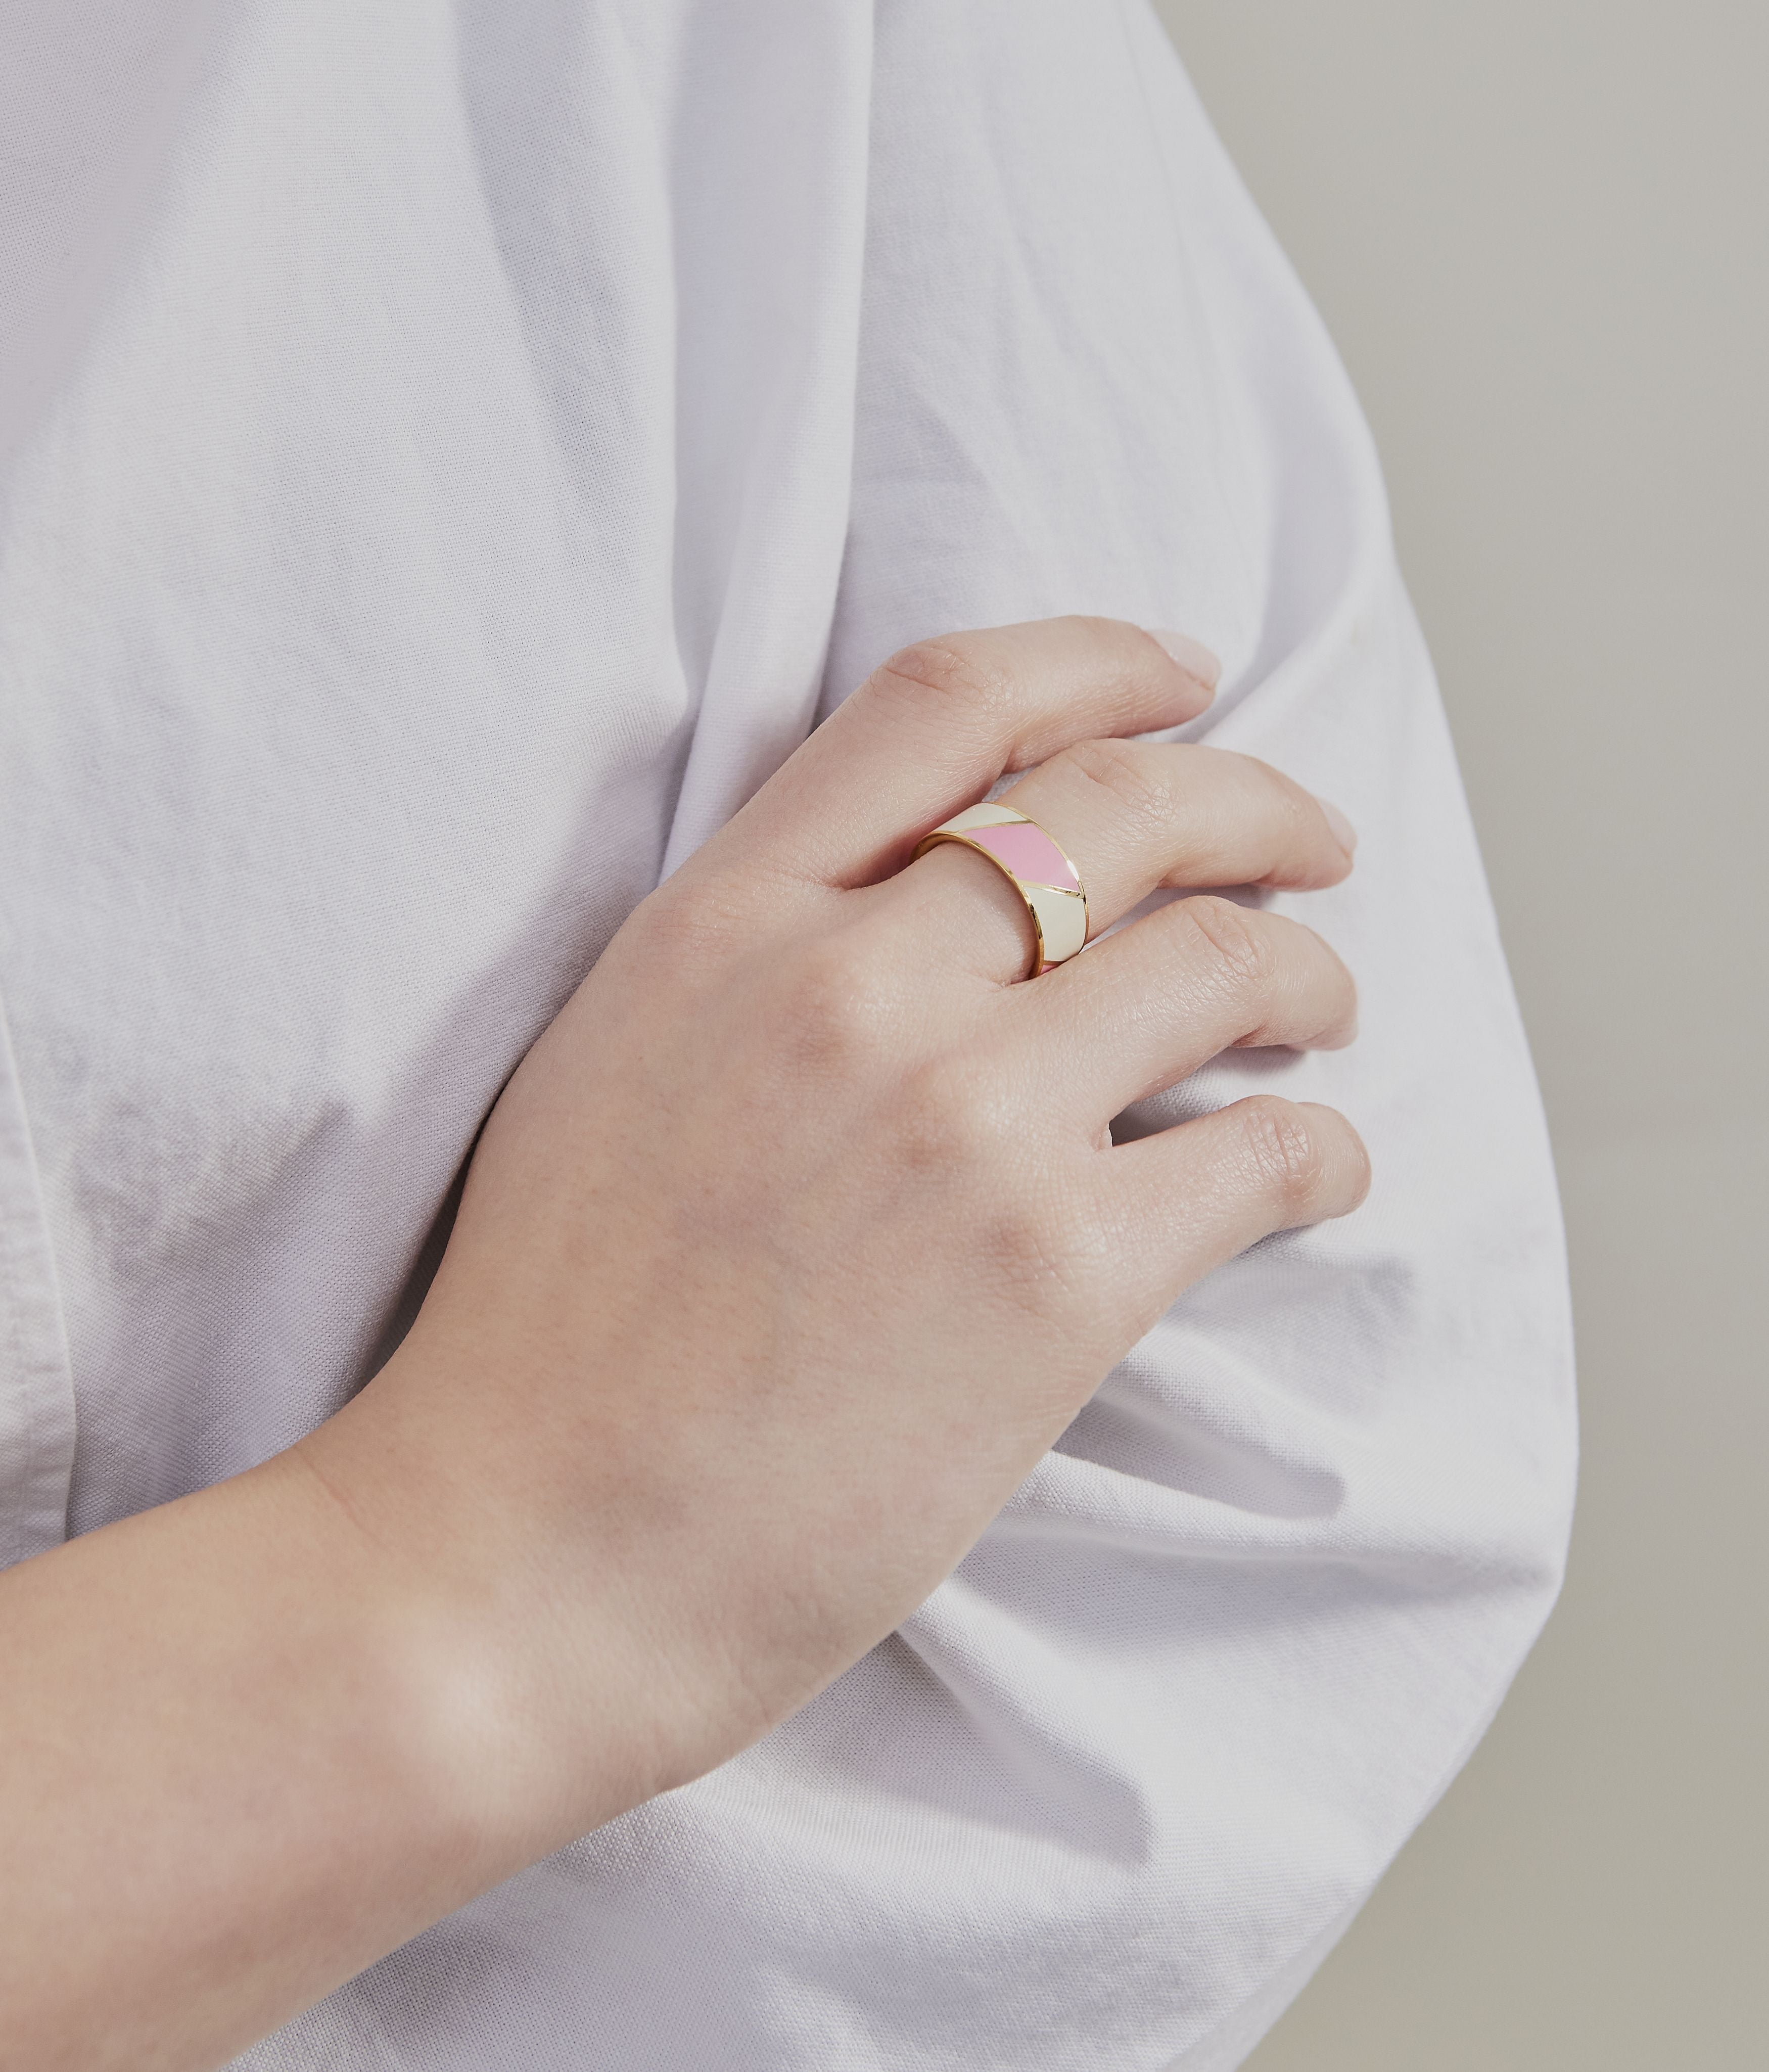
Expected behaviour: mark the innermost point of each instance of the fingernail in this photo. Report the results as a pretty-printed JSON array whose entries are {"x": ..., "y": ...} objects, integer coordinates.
[
  {"x": 1192, "y": 656},
  {"x": 1343, "y": 832}
]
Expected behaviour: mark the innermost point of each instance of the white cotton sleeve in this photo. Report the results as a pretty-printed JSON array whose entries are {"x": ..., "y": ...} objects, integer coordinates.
[{"x": 1164, "y": 1731}]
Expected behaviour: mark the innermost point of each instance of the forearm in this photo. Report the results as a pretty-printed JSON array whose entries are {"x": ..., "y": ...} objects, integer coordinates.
[{"x": 245, "y": 1750}]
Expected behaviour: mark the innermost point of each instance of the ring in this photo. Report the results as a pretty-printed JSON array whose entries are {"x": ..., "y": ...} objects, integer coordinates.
[{"x": 1037, "y": 869}]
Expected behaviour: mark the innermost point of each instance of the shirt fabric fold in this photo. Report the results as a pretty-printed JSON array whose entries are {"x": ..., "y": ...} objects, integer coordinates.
[{"x": 451, "y": 455}]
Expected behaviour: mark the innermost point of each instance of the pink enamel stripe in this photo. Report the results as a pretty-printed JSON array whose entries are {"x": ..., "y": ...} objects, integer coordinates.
[{"x": 1029, "y": 853}]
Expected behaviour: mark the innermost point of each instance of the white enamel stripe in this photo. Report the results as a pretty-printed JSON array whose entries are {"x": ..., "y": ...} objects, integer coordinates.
[
  {"x": 985, "y": 815},
  {"x": 1062, "y": 918}
]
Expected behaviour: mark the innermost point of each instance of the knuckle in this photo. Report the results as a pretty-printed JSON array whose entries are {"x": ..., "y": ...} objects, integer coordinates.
[
  {"x": 943, "y": 673},
  {"x": 1032, "y": 1244},
  {"x": 686, "y": 929},
  {"x": 1045, "y": 1258},
  {"x": 832, "y": 1008},
  {"x": 1129, "y": 774},
  {"x": 1030, "y": 1257},
  {"x": 1235, "y": 940},
  {"x": 953, "y": 1116},
  {"x": 1284, "y": 1151}
]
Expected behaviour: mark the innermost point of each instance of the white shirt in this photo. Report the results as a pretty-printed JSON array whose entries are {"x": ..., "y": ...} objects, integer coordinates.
[{"x": 450, "y": 457}]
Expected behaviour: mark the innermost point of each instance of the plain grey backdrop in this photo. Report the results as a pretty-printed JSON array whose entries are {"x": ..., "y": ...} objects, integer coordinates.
[{"x": 1539, "y": 230}]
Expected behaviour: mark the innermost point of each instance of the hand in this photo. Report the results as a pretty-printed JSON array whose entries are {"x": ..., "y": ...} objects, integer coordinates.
[
  {"x": 792, "y": 1245},
  {"x": 800, "y": 1236}
]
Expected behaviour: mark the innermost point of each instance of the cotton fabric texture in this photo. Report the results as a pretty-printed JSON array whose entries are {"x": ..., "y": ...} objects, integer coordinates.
[{"x": 452, "y": 455}]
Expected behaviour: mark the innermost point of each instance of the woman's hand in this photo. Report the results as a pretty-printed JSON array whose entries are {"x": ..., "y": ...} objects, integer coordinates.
[
  {"x": 791, "y": 1246},
  {"x": 801, "y": 1234}
]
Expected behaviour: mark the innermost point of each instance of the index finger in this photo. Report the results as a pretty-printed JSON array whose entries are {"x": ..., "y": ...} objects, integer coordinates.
[{"x": 930, "y": 731}]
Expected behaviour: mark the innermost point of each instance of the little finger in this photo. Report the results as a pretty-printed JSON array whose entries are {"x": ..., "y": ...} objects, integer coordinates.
[
  {"x": 1191, "y": 1197},
  {"x": 1149, "y": 1006}
]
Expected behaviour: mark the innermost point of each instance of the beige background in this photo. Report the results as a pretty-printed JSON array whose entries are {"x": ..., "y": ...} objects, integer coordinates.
[{"x": 1539, "y": 230}]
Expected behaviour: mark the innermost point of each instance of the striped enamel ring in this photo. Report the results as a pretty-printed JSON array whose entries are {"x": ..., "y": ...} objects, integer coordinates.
[{"x": 1037, "y": 869}]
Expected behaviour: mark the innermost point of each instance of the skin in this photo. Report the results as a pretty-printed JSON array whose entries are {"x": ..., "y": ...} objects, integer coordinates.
[{"x": 792, "y": 1245}]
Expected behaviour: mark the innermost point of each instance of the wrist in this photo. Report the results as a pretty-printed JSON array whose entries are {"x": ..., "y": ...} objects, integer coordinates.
[{"x": 520, "y": 1650}]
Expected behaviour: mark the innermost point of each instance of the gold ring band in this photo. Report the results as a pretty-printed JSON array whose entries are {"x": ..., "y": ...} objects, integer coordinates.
[{"x": 1035, "y": 866}]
